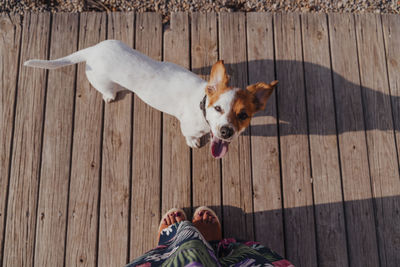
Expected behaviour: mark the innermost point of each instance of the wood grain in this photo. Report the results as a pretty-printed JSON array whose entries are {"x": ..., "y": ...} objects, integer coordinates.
[
  {"x": 176, "y": 173},
  {"x": 56, "y": 152},
  {"x": 25, "y": 161},
  {"x": 296, "y": 176},
  {"x": 391, "y": 32},
  {"x": 116, "y": 161},
  {"x": 382, "y": 155},
  {"x": 81, "y": 247},
  {"x": 392, "y": 41},
  {"x": 206, "y": 170},
  {"x": 329, "y": 212},
  {"x": 146, "y": 149},
  {"x": 10, "y": 34},
  {"x": 236, "y": 165},
  {"x": 361, "y": 238},
  {"x": 267, "y": 195}
]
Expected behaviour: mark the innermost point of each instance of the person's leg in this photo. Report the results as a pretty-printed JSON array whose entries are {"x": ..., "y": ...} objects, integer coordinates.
[
  {"x": 207, "y": 222},
  {"x": 166, "y": 231},
  {"x": 190, "y": 248},
  {"x": 231, "y": 251},
  {"x": 180, "y": 244}
]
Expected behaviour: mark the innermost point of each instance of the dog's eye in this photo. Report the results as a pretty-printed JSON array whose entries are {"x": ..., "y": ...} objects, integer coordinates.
[
  {"x": 218, "y": 108},
  {"x": 242, "y": 116}
]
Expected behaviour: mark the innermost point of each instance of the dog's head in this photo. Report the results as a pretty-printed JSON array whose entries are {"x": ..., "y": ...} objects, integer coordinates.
[{"x": 229, "y": 109}]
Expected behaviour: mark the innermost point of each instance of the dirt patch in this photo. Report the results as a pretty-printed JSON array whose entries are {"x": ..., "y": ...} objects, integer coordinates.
[{"x": 165, "y": 7}]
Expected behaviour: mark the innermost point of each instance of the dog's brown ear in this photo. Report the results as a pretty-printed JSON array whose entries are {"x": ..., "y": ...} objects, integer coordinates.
[
  {"x": 262, "y": 92},
  {"x": 218, "y": 78}
]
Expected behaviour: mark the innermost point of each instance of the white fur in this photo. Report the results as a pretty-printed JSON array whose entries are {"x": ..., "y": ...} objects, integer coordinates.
[{"x": 162, "y": 85}]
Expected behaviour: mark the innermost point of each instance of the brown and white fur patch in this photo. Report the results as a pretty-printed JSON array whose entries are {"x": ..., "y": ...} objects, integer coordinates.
[{"x": 230, "y": 109}]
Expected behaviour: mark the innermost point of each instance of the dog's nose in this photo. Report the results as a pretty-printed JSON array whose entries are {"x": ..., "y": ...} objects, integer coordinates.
[{"x": 226, "y": 132}]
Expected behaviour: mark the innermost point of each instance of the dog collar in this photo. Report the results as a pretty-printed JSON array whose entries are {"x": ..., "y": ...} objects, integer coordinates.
[{"x": 203, "y": 107}]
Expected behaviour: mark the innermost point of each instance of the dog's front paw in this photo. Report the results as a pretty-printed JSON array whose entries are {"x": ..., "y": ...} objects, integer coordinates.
[
  {"x": 193, "y": 142},
  {"x": 108, "y": 98}
]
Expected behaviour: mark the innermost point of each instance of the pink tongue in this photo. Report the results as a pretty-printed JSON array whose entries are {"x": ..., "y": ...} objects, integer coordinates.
[{"x": 218, "y": 147}]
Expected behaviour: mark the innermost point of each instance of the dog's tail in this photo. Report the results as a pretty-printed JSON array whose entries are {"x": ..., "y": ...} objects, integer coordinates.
[{"x": 74, "y": 58}]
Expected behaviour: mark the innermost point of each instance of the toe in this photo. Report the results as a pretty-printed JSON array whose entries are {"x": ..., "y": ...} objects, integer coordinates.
[
  {"x": 172, "y": 218},
  {"x": 179, "y": 216},
  {"x": 198, "y": 216},
  {"x": 205, "y": 216},
  {"x": 168, "y": 220},
  {"x": 210, "y": 219}
]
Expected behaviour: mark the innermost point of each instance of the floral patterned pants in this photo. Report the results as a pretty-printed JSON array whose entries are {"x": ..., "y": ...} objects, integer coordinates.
[{"x": 181, "y": 244}]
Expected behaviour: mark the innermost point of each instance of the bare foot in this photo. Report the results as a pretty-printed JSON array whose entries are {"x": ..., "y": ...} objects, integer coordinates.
[
  {"x": 206, "y": 221},
  {"x": 171, "y": 217}
]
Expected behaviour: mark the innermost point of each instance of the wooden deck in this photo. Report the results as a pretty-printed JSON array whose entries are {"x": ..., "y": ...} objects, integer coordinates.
[{"x": 315, "y": 177}]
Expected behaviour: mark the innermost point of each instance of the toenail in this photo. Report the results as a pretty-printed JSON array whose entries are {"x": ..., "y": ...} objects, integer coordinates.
[
  {"x": 178, "y": 214},
  {"x": 201, "y": 213}
]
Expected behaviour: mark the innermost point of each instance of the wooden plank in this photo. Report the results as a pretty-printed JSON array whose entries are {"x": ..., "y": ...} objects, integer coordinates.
[
  {"x": 81, "y": 249},
  {"x": 56, "y": 152},
  {"x": 10, "y": 34},
  {"x": 116, "y": 163},
  {"x": 392, "y": 41},
  {"x": 329, "y": 212},
  {"x": 384, "y": 168},
  {"x": 391, "y": 32},
  {"x": 25, "y": 161},
  {"x": 236, "y": 165},
  {"x": 176, "y": 171},
  {"x": 296, "y": 176},
  {"x": 267, "y": 195},
  {"x": 146, "y": 165},
  {"x": 206, "y": 170},
  {"x": 361, "y": 238}
]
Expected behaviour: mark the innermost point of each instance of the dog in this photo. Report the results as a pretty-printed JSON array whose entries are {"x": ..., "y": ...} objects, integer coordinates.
[{"x": 224, "y": 111}]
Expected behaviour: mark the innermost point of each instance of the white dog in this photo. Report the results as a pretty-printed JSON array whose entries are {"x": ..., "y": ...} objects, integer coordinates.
[{"x": 224, "y": 111}]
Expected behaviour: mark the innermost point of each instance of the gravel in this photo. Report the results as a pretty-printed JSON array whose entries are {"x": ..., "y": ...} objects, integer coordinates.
[{"x": 165, "y": 7}]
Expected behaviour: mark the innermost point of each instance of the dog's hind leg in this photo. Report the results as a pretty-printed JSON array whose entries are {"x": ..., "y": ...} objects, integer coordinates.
[{"x": 102, "y": 84}]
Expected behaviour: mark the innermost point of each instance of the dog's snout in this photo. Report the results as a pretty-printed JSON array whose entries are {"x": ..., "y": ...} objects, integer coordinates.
[{"x": 226, "y": 132}]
